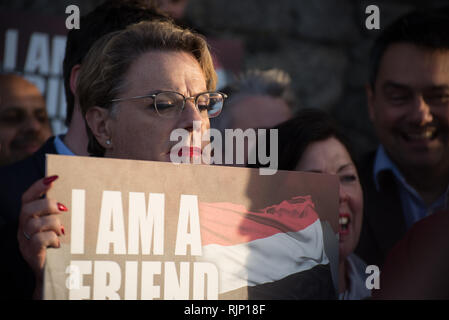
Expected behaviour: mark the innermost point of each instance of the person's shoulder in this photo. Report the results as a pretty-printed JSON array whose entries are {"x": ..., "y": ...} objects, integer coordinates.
[
  {"x": 421, "y": 238},
  {"x": 28, "y": 169},
  {"x": 47, "y": 147},
  {"x": 432, "y": 228}
]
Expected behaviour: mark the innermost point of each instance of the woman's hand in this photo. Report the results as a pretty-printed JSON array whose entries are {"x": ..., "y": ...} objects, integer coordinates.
[{"x": 39, "y": 227}]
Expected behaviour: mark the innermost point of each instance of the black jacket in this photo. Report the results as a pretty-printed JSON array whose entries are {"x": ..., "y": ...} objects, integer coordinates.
[
  {"x": 383, "y": 220},
  {"x": 17, "y": 280}
]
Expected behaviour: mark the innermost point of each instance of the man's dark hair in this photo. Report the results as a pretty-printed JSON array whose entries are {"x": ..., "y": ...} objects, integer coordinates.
[
  {"x": 110, "y": 16},
  {"x": 423, "y": 28}
]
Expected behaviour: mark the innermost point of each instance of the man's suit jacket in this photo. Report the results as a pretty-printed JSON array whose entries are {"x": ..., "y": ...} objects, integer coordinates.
[
  {"x": 17, "y": 280},
  {"x": 383, "y": 220}
]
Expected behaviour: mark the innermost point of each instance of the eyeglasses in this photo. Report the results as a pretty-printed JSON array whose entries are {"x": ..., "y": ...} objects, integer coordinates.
[{"x": 169, "y": 104}]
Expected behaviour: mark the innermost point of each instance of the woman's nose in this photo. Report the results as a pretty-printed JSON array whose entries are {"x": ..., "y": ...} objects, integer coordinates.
[
  {"x": 191, "y": 114},
  {"x": 343, "y": 195}
]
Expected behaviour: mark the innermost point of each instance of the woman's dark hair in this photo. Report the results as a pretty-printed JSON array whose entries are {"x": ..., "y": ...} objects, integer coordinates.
[{"x": 306, "y": 127}]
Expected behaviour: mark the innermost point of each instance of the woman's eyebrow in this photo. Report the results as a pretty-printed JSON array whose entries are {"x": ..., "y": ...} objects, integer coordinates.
[
  {"x": 343, "y": 167},
  {"x": 313, "y": 170},
  {"x": 154, "y": 92}
]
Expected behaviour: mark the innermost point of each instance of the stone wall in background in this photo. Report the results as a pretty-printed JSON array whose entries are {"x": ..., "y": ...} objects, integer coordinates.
[{"x": 323, "y": 44}]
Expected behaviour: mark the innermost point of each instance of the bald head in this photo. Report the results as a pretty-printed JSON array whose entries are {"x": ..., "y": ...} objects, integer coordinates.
[
  {"x": 24, "y": 124},
  {"x": 258, "y": 111}
]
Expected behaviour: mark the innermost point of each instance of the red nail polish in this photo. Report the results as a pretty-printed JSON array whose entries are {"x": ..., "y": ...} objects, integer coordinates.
[
  {"x": 62, "y": 207},
  {"x": 62, "y": 230},
  {"x": 49, "y": 180}
]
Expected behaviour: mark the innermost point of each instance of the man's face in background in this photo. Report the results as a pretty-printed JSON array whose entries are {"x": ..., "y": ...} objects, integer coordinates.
[
  {"x": 24, "y": 124},
  {"x": 256, "y": 112},
  {"x": 409, "y": 105}
]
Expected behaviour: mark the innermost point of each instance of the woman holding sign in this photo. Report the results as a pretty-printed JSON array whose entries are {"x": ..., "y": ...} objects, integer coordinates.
[{"x": 135, "y": 87}]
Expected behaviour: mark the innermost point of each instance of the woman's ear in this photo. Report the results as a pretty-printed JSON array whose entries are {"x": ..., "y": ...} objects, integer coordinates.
[
  {"x": 98, "y": 119},
  {"x": 74, "y": 77}
]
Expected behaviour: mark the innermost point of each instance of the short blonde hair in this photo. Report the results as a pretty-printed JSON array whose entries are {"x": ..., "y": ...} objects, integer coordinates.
[{"x": 104, "y": 68}]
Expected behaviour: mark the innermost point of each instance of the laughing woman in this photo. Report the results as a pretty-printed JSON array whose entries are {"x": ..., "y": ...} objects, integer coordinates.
[{"x": 312, "y": 142}]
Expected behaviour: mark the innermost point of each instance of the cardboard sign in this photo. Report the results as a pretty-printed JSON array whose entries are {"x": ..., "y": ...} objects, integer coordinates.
[{"x": 155, "y": 230}]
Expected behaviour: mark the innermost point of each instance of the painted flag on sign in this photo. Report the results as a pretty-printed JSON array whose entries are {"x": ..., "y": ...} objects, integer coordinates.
[{"x": 274, "y": 253}]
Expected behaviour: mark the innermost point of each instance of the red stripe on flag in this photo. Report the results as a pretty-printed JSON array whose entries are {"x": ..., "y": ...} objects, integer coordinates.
[{"x": 226, "y": 223}]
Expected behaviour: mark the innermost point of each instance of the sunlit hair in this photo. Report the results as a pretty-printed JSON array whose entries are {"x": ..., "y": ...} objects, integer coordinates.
[
  {"x": 274, "y": 83},
  {"x": 110, "y": 16},
  {"x": 102, "y": 75}
]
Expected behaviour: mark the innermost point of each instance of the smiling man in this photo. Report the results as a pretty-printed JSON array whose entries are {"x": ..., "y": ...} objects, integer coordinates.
[
  {"x": 407, "y": 178},
  {"x": 24, "y": 125}
]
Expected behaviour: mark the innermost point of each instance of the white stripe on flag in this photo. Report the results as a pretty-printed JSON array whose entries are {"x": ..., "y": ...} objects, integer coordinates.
[{"x": 268, "y": 259}]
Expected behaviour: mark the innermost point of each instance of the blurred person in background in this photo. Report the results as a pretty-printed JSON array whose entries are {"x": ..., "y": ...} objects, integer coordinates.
[
  {"x": 24, "y": 123},
  {"x": 417, "y": 266},
  {"x": 173, "y": 8},
  {"x": 258, "y": 99}
]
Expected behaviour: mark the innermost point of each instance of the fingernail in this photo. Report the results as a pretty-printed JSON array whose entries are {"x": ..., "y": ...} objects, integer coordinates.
[
  {"x": 63, "y": 230},
  {"x": 49, "y": 180},
  {"x": 62, "y": 207}
]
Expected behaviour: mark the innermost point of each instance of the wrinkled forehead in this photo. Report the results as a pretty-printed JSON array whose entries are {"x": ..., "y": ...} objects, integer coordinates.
[{"x": 165, "y": 70}]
